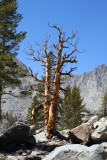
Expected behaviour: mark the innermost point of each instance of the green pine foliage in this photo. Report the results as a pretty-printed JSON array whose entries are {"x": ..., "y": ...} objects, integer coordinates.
[
  {"x": 103, "y": 110},
  {"x": 8, "y": 71},
  {"x": 39, "y": 117},
  {"x": 72, "y": 107},
  {"x": 10, "y": 120},
  {"x": 25, "y": 93},
  {"x": 9, "y": 44},
  {"x": 9, "y": 41},
  {"x": 9, "y": 19}
]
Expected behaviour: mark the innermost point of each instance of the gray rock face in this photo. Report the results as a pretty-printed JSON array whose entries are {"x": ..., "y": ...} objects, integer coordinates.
[
  {"x": 100, "y": 132},
  {"x": 77, "y": 152},
  {"x": 19, "y": 103},
  {"x": 92, "y": 86}
]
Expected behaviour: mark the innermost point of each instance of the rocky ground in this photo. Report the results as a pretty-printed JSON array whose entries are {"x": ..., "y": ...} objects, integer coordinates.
[{"x": 85, "y": 142}]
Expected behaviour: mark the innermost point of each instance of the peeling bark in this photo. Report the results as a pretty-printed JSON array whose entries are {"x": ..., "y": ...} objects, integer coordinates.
[
  {"x": 47, "y": 96},
  {"x": 61, "y": 59},
  {"x": 51, "y": 127}
]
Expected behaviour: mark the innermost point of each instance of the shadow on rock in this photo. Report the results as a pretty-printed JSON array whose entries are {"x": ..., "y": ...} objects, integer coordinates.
[{"x": 14, "y": 136}]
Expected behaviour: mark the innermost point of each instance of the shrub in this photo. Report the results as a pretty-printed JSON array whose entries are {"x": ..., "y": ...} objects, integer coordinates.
[{"x": 10, "y": 120}]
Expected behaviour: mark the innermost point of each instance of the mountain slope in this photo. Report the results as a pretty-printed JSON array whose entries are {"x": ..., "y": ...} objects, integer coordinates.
[
  {"x": 92, "y": 85},
  {"x": 19, "y": 103}
]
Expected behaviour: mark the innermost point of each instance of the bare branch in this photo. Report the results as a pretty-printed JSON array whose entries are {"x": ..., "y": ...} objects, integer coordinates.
[
  {"x": 38, "y": 90},
  {"x": 68, "y": 55},
  {"x": 38, "y": 59},
  {"x": 55, "y": 26},
  {"x": 66, "y": 60},
  {"x": 31, "y": 72},
  {"x": 35, "y": 89},
  {"x": 45, "y": 46},
  {"x": 32, "y": 75},
  {"x": 60, "y": 33},
  {"x": 69, "y": 72},
  {"x": 71, "y": 60},
  {"x": 69, "y": 38},
  {"x": 43, "y": 65},
  {"x": 65, "y": 47},
  {"x": 31, "y": 53},
  {"x": 75, "y": 45},
  {"x": 2, "y": 93},
  {"x": 34, "y": 111},
  {"x": 55, "y": 46},
  {"x": 62, "y": 89}
]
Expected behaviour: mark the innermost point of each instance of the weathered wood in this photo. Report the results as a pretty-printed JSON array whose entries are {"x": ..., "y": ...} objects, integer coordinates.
[
  {"x": 61, "y": 59},
  {"x": 55, "y": 95},
  {"x": 47, "y": 94},
  {"x": 34, "y": 111}
]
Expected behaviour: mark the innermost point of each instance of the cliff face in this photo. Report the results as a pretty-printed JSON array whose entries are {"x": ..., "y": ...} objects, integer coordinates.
[
  {"x": 92, "y": 86},
  {"x": 19, "y": 103}
]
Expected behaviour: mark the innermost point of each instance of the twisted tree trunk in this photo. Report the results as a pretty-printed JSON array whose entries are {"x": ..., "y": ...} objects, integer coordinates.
[
  {"x": 61, "y": 58},
  {"x": 51, "y": 126}
]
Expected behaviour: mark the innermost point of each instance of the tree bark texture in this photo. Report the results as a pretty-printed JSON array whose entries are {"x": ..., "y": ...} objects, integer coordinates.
[
  {"x": 51, "y": 127},
  {"x": 61, "y": 59},
  {"x": 47, "y": 94}
]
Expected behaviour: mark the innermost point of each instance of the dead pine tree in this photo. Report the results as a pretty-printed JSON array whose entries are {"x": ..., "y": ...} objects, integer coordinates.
[
  {"x": 61, "y": 59},
  {"x": 48, "y": 63}
]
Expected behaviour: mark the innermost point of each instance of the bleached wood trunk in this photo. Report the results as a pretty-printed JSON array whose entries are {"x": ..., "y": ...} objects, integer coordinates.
[
  {"x": 52, "y": 97},
  {"x": 47, "y": 94}
]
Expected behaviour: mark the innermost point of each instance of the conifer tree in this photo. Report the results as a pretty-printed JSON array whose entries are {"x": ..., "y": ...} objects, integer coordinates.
[
  {"x": 9, "y": 19},
  {"x": 9, "y": 43},
  {"x": 103, "y": 110},
  {"x": 104, "y": 104},
  {"x": 72, "y": 106},
  {"x": 39, "y": 118}
]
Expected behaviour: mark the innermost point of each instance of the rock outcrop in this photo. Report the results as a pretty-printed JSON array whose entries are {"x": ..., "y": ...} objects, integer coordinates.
[
  {"x": 15, "y": 135},
  {"x": 77, "y": 152},
  {"x": 100, "y": 131},
  {"x": 82, "y": 133}
]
